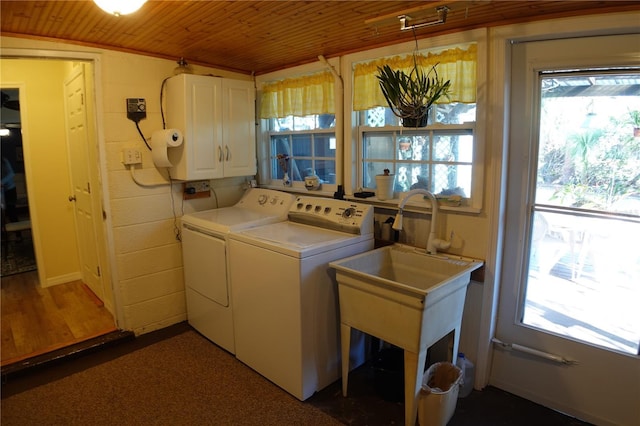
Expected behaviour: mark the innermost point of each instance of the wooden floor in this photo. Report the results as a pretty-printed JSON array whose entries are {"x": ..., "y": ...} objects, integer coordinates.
[{"x": 38, "y": 320}]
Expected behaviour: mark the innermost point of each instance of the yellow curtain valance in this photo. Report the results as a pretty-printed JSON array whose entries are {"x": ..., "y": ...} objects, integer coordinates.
[
  {"x": 299, "y": 96},
  {"x": 457, "y": 65}
]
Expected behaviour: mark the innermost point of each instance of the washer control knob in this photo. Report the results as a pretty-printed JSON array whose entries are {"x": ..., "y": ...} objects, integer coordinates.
[
  {"x": 350, "y": 212},
  {"x": 318, "y": 208},
  {"x": 262, "y": 199},
  {"x": 274, "y": 201},
  {"x": 308, "y": 207},
  {"x": 327, "y": 210},
  {"x": 299, "y": 206}
]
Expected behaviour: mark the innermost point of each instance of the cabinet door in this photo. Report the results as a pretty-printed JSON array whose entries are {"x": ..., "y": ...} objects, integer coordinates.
[
  {"x": 239, "y": 128},
  {"x": 205, "y": 127}
]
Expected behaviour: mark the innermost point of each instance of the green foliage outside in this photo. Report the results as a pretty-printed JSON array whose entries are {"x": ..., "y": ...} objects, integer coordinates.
[{"x": 595, "y": 167}]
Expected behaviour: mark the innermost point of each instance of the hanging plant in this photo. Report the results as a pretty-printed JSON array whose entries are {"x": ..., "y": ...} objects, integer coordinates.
[{"x": 411, "y": 95}]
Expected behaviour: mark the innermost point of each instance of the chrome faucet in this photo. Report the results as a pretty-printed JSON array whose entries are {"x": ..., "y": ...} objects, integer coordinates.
[{"x": 433, "y": 243}]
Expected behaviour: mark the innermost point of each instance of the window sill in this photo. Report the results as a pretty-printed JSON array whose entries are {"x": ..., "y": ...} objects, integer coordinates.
[
  {"x": 300, "y": 190},
  {"x": 412, "y": 206}
]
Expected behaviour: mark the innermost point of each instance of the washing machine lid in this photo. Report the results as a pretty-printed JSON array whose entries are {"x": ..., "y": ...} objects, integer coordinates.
[
  {"x": 258, "y": 206},
  {"x": 297, "y": 240},
  {"x": 227, "y": 219}
]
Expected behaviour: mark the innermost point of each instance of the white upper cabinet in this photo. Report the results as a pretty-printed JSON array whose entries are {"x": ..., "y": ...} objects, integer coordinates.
[{"x": 217, "y": 119}]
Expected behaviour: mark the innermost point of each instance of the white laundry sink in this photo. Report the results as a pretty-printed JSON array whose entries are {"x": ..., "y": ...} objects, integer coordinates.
[
  {"x": 407, "y": 298},
  {"x": 406, "y": 274}
]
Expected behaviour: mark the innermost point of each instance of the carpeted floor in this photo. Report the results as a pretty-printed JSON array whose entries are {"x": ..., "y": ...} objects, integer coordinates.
[
  {"x": 183, "y": 380},
  {"x": 18, "y": 256},
  {"x": 174, "y": 376}
]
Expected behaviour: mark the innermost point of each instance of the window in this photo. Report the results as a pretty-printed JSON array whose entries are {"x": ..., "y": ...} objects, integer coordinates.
[
  {"x": 303, "y": 146},
  {"x": 445, "y": 157},
  {"x": 586, "y": 212},
  {"x": 299, "y": 130},
  {"x": 438, "y": 158}
]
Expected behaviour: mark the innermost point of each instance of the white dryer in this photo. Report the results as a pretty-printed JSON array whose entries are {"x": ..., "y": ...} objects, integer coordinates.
[
  {"x": 285, "y": 299},
  {"x": 205, "y": 258}
]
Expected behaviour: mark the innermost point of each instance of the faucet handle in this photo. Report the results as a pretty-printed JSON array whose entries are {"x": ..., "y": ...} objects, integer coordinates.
[{"x": 441, "y": 244}]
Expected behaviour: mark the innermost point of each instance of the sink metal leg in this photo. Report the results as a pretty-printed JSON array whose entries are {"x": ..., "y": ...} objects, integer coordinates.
[
  {"x": 345, "y": 343},
  {"x": 413, "y": 372},
  {"x": 456, "y": 343}
]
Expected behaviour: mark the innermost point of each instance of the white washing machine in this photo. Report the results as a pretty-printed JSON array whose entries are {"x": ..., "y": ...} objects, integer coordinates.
[
  {"x": 285, "y": 298},
  {"x": 205, "y": 258}
]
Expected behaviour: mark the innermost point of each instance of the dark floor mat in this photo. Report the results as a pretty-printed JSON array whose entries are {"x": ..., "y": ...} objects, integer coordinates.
[{"x": 18, "y": 256}]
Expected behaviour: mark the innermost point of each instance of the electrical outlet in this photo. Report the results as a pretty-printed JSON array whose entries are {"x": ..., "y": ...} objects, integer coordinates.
[
  {"x": 131, "y": 156},
  {"x": 197, "y": 186},
  {"x": 196, "y": 189}
]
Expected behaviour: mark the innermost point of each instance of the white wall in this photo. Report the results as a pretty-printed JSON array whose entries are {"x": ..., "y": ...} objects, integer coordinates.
[{"x": 147, "y": 255}]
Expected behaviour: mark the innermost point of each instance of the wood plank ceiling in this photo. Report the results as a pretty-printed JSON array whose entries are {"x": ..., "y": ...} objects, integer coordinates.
[{"x": 263, "y": 36}]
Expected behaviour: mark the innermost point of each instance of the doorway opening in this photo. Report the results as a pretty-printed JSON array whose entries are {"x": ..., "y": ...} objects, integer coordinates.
[
  {"x": 17, "y": 245},
  {"x": 51, "y": 304}
]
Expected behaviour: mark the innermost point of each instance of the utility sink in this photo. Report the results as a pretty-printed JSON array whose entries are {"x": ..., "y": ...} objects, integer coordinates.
[
  {"x": 407, "y": 298},
  {"x": 409, "y": 271}
]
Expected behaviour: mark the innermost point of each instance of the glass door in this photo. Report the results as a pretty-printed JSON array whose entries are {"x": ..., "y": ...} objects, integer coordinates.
[
  {"x": 583, "y": 272},
  {"x": 568, "y": 333}
]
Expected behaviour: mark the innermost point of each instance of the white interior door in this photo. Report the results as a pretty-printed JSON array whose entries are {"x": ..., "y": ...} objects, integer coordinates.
[
  {"x": 568, "y": 330},
  {"x": 78, "y": 141}
]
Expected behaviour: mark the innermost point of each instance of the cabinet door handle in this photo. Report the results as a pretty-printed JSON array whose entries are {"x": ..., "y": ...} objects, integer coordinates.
[
  {"x": 227, "y": 152},
  {"x": 219, "y": 154}
]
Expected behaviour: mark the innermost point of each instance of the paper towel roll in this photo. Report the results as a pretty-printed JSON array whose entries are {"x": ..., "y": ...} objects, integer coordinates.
[{"x": 161, "y": 141}]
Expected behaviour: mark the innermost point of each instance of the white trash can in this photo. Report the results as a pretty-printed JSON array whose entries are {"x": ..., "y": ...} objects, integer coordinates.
[{"x": 439, "y": 394}]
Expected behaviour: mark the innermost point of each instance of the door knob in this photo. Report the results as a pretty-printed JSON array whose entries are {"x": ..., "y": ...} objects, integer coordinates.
[{"x": 72, "y": 198}]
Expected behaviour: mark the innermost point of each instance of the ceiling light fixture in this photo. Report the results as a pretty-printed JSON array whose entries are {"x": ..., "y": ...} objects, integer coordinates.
[
  {"x": 119, "y": 7},
  {"x": 182, "y": 68},
  {"x": 442, "y": 18}
]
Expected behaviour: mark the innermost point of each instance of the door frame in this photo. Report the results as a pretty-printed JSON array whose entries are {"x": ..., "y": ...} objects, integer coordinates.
[
  {"x": 96, "y": 118},
  {"x": 500, "y": 39}
]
